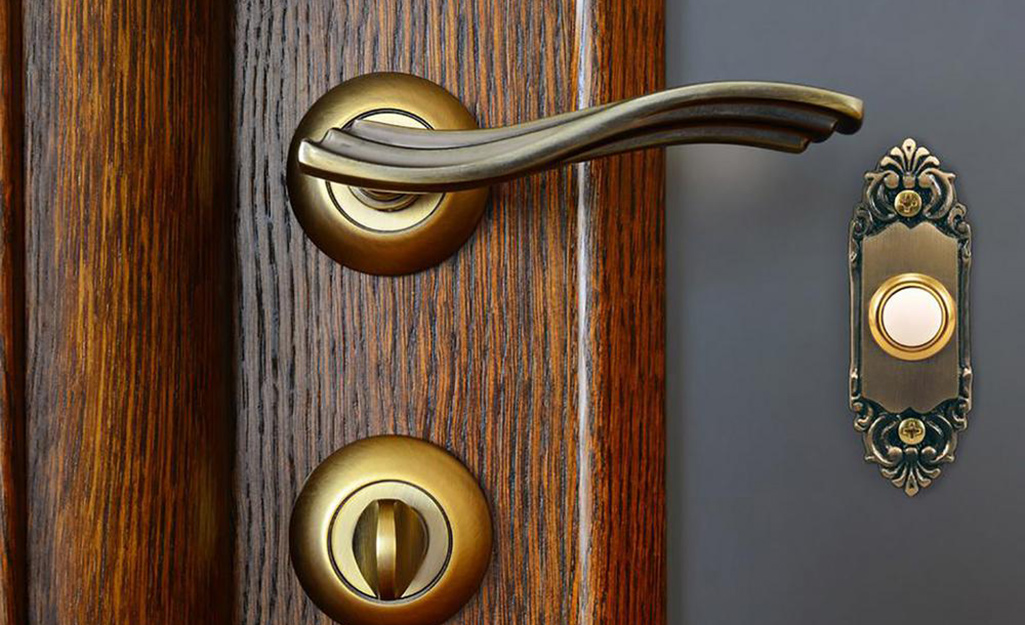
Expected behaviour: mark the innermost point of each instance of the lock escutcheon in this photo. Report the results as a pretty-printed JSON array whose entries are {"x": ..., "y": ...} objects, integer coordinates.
[{"x": 390, "y": 531}]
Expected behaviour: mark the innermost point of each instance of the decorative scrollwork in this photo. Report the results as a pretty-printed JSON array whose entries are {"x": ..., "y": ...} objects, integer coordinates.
[
  {"x": 910, "y": 169},
  {"x": 910, "y": 466}
]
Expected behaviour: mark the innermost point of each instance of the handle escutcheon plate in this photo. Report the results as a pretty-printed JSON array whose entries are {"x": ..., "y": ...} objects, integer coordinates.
[{"x": 424, "y": 229}]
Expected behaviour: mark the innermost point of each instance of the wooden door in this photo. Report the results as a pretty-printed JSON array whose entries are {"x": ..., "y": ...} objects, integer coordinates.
[{"x": 176, "y": 356}]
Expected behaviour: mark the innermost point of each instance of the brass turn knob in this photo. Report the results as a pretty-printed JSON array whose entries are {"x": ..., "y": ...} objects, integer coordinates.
[
  {"x": 390, "y": 539},
  {"x": 387, "y": 173},
  {"x": 390, "y": 531},
  {"x": 390, "y": 544}
]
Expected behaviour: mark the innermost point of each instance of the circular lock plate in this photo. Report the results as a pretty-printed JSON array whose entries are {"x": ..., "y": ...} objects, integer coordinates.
[
  {"x": 392, "y": 467},
  {"x": 347, "y": 228}
]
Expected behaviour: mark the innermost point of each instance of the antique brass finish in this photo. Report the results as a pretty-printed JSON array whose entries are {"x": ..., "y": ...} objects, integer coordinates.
[
  {"x": 390, "y": 531},
  {"x": 768, "y": 115},
  {"x": 877, "y": 305},
  {"x": 375, "y": 142},
  {"x": 375, "y": 230},
  {"x": 910, "y": 236}
]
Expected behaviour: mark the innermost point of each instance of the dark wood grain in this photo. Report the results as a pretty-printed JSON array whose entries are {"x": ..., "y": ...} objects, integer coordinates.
[
  {"x": 12, "y": 315},
  {"x": 129, "y": 349},
  {"x": 620, "y": 237},
  {"x": 535, "y": 355}
]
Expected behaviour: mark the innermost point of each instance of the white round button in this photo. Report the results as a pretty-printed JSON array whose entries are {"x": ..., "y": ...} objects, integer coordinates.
[{"x": 913, "y": 316}]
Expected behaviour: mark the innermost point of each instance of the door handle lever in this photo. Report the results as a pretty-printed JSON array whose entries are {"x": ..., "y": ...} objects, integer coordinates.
[
  {"x": 760, "y": 114},
  {"x": 384, "y": 155}
]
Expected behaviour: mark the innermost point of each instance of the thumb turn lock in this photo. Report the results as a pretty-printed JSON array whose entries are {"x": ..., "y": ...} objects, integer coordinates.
[
  {"x": 388, "y": 173},
  {"x": 390, "y": 540},
  {"x": 390, "y": 545},
  {"x": 390, "y": 531}
]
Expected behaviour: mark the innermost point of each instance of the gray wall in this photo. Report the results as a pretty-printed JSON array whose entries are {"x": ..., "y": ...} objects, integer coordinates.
[{"x": 774, "y": 517}]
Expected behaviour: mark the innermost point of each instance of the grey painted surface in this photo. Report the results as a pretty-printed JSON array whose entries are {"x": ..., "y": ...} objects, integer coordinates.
[{"x": 774, "y": 517}]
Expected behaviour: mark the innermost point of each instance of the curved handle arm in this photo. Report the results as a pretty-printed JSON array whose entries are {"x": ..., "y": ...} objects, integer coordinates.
[{"x": 384, "y": 157}]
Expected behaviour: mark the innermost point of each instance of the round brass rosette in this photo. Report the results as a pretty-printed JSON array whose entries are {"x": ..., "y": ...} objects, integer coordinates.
[
  {"x": 379, "y": 232},
  {"x": 942, "y": 301},
  {"x": 449, "y": 533}
]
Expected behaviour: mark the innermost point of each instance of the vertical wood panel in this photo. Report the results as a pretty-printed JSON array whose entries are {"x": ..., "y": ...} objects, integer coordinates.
[
  {"x": 621, "y": 252},
  {"x": 12, "y": 314},
  {"x": 483, "y": 354},
  {"x": 129, "y": 311},
  {"x": 476, "y": 355}
]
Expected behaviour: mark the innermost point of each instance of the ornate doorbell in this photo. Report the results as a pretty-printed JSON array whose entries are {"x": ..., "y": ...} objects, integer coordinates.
[{"x": 911, "y": 373}]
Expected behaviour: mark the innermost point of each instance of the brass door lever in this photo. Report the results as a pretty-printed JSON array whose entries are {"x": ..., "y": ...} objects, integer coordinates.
[
  {"x": 397, "y": 142},
  {"x": 766, "y": 115}
]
